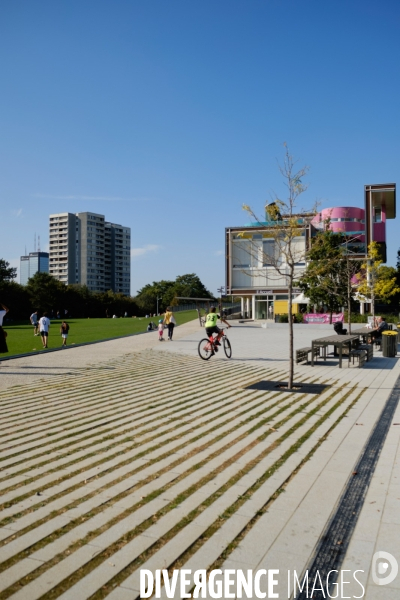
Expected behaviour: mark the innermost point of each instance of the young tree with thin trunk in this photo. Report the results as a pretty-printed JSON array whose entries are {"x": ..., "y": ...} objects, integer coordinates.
[
  {"x": 285, "y": 229},
  {"x": 351, "y": 268}
]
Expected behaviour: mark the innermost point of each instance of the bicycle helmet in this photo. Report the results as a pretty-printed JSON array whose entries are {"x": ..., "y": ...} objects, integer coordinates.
[{"x": 160, "y": 321}]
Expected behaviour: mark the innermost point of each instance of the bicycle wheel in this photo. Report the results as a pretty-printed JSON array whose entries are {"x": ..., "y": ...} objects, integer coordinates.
[
  {"x": 205, "y": 349},
  {"x": 227, "y": 347}
]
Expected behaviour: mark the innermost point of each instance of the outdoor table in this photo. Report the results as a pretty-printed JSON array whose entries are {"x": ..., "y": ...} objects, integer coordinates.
[
  {"x": 364, "y": 333},
  {"x": 337, "y": 341}
]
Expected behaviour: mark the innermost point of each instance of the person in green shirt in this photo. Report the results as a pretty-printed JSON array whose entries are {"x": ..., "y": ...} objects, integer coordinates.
[{"x": 211, "y": 325}]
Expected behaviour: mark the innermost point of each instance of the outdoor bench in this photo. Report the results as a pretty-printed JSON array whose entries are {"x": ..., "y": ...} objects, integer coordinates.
[
  {"x": 360, "y": 355},
  {"x": 302, "y": 354},
  {"x": 369, "y": 349}
]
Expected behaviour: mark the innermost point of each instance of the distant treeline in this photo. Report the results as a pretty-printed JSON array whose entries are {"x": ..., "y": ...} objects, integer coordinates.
[{"x": 44, "y": 293}]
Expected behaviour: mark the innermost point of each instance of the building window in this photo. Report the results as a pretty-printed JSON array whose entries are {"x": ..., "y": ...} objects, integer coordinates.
[{"x": 268, "y": 250}]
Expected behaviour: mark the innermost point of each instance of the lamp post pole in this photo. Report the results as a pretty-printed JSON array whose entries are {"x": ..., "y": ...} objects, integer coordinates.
[
  {"x": 157, "y": 304},
  {"x": 221, "y": 291}
]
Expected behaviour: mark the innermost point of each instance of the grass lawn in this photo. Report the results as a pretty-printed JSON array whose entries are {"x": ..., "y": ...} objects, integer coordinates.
[{"x": 21, "y": 340}]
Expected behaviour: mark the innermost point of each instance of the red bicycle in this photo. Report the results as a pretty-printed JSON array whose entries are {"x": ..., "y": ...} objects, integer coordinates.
[{"x": 207, "y": 347}]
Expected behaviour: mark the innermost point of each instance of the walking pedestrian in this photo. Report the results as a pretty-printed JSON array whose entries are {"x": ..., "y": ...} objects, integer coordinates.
[
  {"x": 160, "y": 330},
  {"x": 44, "y": 326},
  {"x": 34, "y": 320},
  {"x": 64, "y": 329},
  {"x": 3, "y": 334},
  {"x": 170, "y": 322}
]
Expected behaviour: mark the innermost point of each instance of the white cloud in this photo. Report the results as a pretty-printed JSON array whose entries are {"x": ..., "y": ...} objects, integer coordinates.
[
  {"x": 136, "y": 252},
  {"x": 219, "y": 253},
  {"x": 17, "y": 212},
  {"x": 89, "y": 198}
]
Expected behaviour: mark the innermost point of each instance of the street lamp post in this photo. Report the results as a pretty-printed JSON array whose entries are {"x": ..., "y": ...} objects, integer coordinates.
[
  {"x": 157, "y": 303},
  {"x": 221, "y": 291}
]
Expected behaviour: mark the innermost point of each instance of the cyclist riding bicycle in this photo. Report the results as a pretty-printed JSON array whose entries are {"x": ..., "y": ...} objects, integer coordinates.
[{"x": 211, "y": 326}]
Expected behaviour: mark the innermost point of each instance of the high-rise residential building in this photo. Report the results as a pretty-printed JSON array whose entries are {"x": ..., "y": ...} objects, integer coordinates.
[
  {"x": 87, "y": 250},
  {"x": 117, "y": 261},
  {"x": 33, "y": 263}
]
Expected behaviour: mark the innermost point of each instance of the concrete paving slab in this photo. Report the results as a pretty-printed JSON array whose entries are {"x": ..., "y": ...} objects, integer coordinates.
[
  {"x": 14, "y": 573},
  {"x": 124, "y": 371}
]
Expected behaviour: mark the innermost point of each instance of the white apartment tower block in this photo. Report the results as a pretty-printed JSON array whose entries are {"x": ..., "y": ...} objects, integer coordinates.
[{"x": 87, "y": 250}]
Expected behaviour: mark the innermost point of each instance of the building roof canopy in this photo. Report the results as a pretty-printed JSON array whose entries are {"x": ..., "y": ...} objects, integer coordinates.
[{"x": 384, "y": 195}]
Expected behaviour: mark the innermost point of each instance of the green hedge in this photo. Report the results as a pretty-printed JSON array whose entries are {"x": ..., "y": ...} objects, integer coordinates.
[
  {"x": 284, "y": 318},
  {"x": 357, "y": 318}
]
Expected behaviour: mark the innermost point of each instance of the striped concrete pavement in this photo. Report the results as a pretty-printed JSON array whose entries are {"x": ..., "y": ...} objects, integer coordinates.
[{"x": 139, "y": 455}]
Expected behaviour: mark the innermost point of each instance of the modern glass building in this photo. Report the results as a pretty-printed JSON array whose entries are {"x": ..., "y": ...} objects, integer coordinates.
[
  {"x": 35, "y": 262},
  {"x": 262, "y": 289}
]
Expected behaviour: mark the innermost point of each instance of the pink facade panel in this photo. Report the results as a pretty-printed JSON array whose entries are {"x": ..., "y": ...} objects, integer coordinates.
[
  {"x": 343, "y": 218},
  {"x": 342, "y": 212},
  {"x": 350, "y": 219},
  {"x": 379, "y": 232}
]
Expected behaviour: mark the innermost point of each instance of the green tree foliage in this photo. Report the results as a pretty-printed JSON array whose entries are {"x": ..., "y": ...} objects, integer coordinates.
[
  {"x": 80, "y": 301},
  {"x": 187, "y": 286},
  {"x": 15, "y": 297},
  {"x": 146, "y": 297},
  {"x": 190, "y": 286},
  {"x": 326, "y": 278},
  {"x": 330, "y": 275},
  {"x": 45, "y": 292},
  {"x": 7, "y": 273},
  {"x": 377, "y": 281},
  {"x": 11, "y": 293},
  {"x": 398, "y": 272}
]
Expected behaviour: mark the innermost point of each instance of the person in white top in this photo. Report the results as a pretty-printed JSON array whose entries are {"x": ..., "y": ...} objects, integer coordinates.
[
  {"x": 44, "y": 326},
  {"x": 3, "y": 343}
]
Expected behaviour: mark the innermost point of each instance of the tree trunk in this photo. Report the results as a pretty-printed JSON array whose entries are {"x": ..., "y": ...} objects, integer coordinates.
[
  {"x": 349, "y": 306},
  {"x": 290, "y": 319},
  {"x": 373, "y": 305}
]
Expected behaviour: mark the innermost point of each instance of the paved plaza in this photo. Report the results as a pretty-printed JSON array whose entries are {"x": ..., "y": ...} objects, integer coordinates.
[{"x": 133, "y": 454}]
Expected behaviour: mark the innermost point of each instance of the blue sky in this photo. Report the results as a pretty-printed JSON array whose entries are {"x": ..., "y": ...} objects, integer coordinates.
[{"x": 167, "y": 116}]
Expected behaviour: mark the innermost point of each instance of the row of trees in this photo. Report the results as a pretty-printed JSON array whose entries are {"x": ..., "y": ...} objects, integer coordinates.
[
  {"x": 167, "y": 292},
  {"x": 45, "y": 293}
]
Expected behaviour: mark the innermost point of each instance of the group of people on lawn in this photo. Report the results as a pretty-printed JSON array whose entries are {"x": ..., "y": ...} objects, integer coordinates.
[{"x": 42, "y": 326}]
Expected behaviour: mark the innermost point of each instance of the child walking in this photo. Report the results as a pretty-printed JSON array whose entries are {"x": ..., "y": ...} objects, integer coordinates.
[
  {"x": 160, "y": 330},
  {"x": 64, "y": 332}
]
